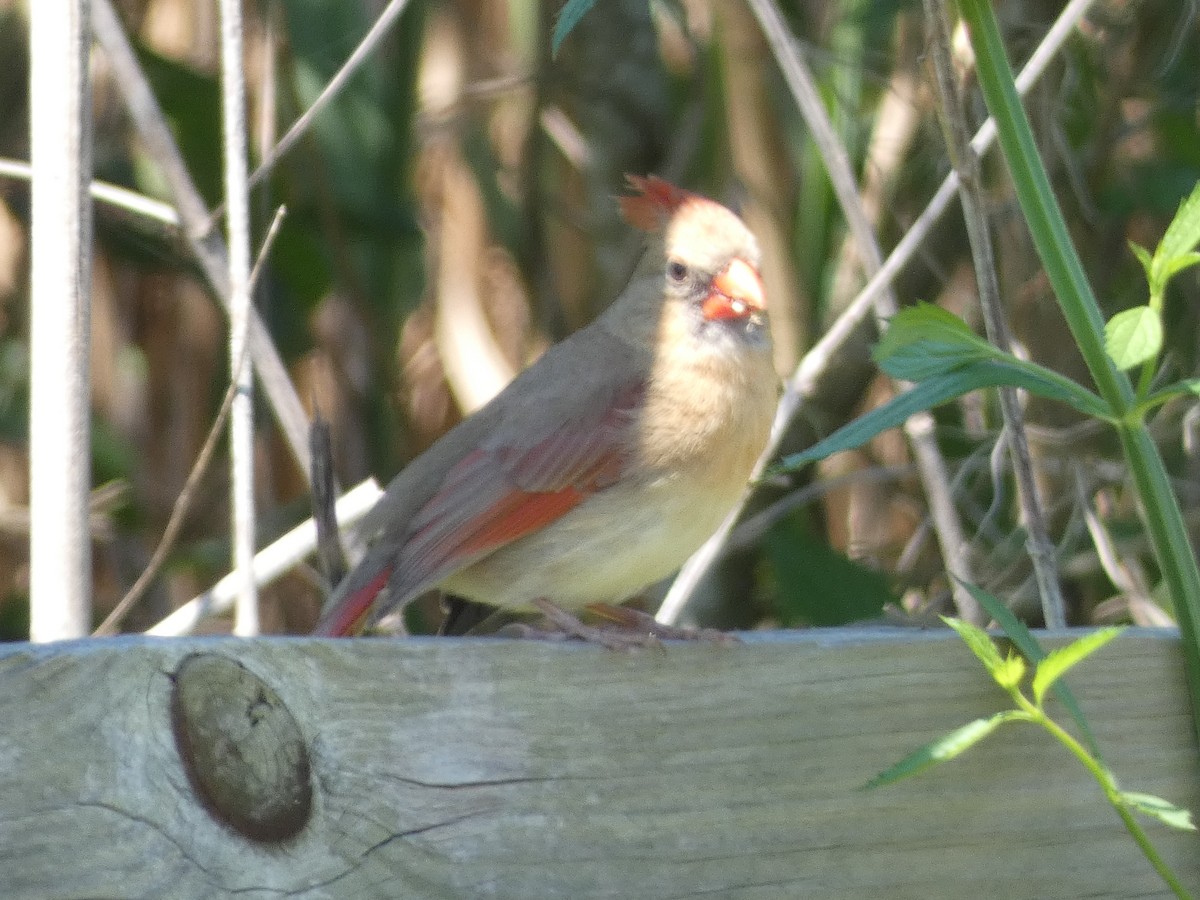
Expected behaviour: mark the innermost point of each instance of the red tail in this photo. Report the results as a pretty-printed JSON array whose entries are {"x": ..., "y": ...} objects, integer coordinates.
[{"x": 346, "y": 615}]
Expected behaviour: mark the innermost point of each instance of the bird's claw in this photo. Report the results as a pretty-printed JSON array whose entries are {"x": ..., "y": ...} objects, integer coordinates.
[
  {"x": 636, "y": 620},
  {"x": 569, "y": 626}
]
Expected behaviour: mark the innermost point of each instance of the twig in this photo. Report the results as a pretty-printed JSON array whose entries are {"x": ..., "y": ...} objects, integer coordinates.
[
  {"x": 803, "y": 381},
  {"x": 205, "y": 244},
  {"x": 753, "y": 529},
  {"x": 366, "y": 46},
  {"x": 269, "y": 563},
  {"x": 112, "y": 194},
  {"x": 241, "y": 427},
  {"x": 920, "y": 427},
  {"x": 174, "y": 523},
  {"x": 184, "y": 501},
  {"x": 60, "y": 557},
  {"x": 966, "y": 163},
  {"x": 265, "y": 249}
]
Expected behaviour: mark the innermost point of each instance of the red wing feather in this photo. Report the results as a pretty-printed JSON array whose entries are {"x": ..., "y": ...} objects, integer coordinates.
[
  {"x": 347, "y": 616},
  {"x": 518, "y": 514},
  {"x": 492, "y": 497},
  {"x": 496, "y": 495}
]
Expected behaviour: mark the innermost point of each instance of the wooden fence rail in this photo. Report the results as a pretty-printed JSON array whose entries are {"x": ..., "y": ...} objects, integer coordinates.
[{"x": 135, "y": 767}]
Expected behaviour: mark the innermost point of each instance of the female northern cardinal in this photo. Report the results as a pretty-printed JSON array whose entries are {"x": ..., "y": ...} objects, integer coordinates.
[{"x": 603, "y": 466}]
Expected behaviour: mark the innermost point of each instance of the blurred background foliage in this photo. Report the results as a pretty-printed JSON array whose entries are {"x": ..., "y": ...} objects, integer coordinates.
[{"x": 452, "y": 214}]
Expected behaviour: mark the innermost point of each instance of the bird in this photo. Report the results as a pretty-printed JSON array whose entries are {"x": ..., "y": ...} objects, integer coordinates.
[{"x": 605, "y": 464}]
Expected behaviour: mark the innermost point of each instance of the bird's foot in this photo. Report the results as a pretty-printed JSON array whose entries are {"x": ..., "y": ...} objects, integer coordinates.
[
  {"x": 624, "y": 628},
  {"x": 566, "y": 626},
  {"x": 635, "y": 620}
]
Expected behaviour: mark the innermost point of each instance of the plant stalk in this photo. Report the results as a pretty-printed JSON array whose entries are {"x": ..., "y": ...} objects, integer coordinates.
[{"x": 1160, "y": 510}]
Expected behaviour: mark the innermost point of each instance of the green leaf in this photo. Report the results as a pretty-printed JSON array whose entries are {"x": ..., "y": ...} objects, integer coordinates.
[
  {"x": 1011, "y": 671},
  {"x": 1165, "y": 525},
  {"x": 928, "y": 320},
  {"x": 979, "y": 642},
  {"x": 1183, "y": 234},
  {"x": 934, "y": 391},
  {"x": 1058, "y": 661},
  {"x": 568, "y": 18},
  {"x": 1028, "y": 645},
  {"x": 1167, "y": 813},
  {"x": 944, "y": 748},
  {"x": 923, "y": 360},
  {"x": 814, "y": 584},
  {"x": 1181, "y": 262},
  {"x": 1144, "y": 258},
  {"x": 926, "y": 340},
  {"x": 1161, "y": 396},
  {"x": 1133, "y": 336}
]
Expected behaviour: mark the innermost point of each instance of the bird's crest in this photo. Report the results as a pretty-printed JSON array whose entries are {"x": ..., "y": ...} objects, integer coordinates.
[{"x": 655, "y": 202}]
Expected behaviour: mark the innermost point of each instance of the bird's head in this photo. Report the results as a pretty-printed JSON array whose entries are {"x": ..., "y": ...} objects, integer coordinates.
[{"x": 707, "y": 261}]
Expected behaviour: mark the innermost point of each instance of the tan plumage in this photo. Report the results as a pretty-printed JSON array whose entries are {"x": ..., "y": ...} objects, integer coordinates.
[{"x": 607, "y": 462}]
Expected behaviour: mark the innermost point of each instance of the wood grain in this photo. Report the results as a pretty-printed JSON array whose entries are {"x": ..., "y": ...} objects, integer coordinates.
[{"x": 481, "y": 768}]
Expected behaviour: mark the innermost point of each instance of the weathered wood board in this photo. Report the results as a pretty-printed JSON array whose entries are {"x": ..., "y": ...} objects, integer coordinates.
[{"x": 486, "y": 768}]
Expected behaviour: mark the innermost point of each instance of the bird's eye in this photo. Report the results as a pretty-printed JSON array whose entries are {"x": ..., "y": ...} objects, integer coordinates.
[{"x": 677, "y": 271}]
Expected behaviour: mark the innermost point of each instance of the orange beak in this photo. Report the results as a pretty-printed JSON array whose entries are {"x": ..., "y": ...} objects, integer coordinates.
[{"x": 737, "y": 293}]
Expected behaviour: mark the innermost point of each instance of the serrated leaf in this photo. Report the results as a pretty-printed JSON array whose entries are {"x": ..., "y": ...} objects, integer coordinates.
[
  {"x": 926, "y": 340},
  {"x": 1165, "y": 812},
  {"x": 568, "y": 18},
  {"x": 937, "y": 390},
  {"x": 1183, "y": 234},
  {"x": 1028, "y": 645},
  {"x": 944, "y": 748},
  {"x": 1059, "y": 661},
  {"x": 979, "y": 642},
  {"x": 1133, "y": 336},
  {"x": 1010, "y": 672}
]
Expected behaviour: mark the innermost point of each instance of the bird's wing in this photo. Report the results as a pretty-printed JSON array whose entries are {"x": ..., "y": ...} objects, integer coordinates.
[
  {"x": 546, "y": 456},
  {"x": 511, "y": 487}
]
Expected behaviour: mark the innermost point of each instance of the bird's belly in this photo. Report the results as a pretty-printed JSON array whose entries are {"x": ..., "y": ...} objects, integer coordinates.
[{"x": 604, "y": 551}]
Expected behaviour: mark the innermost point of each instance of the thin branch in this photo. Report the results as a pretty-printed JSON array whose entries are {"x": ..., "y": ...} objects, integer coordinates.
[
  {"x": 241, "y": 429},
  {"x": 112, "y": 194},
  {"x": 752, "y": 530},
  {"x": 966, "y": 163},
  {"x": 179, "y": 511},
  {"x": 269, "y": 563},
  {"x": 265, "y": 249},
  {"x": 183, "y": 502},
  {"x": 920, "y": 427},
  {"x": 365, "y": 48},
  {"x": 803, "y": 381},
  {"x": 205, "y": 244},
  {"x": 60, "y": 558}
]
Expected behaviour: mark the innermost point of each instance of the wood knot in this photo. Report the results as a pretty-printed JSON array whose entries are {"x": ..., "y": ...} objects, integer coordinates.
[{"x": 241, "y": 748}]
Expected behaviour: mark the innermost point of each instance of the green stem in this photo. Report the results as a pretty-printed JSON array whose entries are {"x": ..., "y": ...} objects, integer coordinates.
[
  {"x": 1109, "y": 785},
  {"x": 1046, "y": 224},
  {"x": 1169, "y": 537},
  {"x": 1164, "y": 522},
  {"x": 1147, "y": 378}
]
